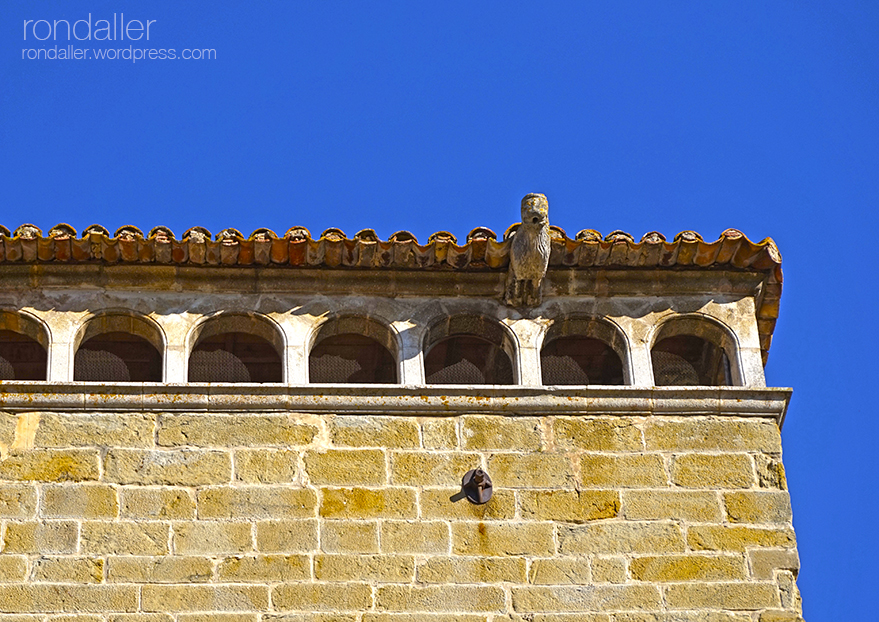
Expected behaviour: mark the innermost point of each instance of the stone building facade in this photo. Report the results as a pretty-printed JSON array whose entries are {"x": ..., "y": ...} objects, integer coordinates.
[{"x": 276, "y": 428}]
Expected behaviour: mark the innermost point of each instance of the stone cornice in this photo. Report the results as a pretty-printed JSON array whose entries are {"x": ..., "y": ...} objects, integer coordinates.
[
  {"x": 434, "y": 400},
  {"x": 242, "y": 280}
]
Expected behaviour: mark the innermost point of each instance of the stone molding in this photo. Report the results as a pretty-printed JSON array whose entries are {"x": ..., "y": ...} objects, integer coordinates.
[{"x": 439, "y": 400}]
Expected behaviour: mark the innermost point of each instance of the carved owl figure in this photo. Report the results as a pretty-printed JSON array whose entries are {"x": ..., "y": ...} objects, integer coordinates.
[{"x": 529, "y": 253}]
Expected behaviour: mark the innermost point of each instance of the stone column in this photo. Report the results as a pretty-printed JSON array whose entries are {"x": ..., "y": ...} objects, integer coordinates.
[
  {"x": 297, "y": 331},
  {"x": 62, "y": 331},
  {"x": 640, "y": 368},
  {"x": 176, "y": 327},
  {"x": 529, "y": 335},
  {"x": 411, "y": 361}
]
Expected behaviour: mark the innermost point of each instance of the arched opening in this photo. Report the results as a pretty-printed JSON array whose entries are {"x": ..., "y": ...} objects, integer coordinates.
[
  {"x": 23, "y": 348},
  {"x": 692, "y": 351},
  {"x": 118, "y": 347},
  {"x": 468, "y": 349},
  {"x": 583, "y": 351},
  {"x": 236, "y": 348},
  {"x": 353, "y": 349}
]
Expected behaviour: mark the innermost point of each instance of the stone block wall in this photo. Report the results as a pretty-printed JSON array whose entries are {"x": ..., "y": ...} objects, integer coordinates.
[{"x": 137, "y": 516}]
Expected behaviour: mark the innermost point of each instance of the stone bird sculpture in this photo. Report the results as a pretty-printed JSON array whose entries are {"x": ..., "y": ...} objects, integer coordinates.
[{"x": 529, "y": 253}]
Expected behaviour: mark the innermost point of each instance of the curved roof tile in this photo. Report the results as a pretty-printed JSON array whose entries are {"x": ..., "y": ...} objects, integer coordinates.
[
  {"x": 95, "y": 229},
  {"x": 128, "y": 232},
  {"x": 62, "y": 230},
  {"x": 161, "y": 233},
  {"x": 481, "y": 233},
  {"x": 298, "y": 233}
]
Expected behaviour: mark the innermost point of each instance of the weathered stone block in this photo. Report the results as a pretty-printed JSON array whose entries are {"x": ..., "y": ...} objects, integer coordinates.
[
  {"x": 50, "y": 465},
  {"x": 472, "y": 570},
  {"x": 169, "y": 468},
  {"x": 559, "y": 617},
  {"x": 448, "y": 503},
  {"x": 531, "y": 471},
  {"x": 18, "y": 500},
  {"x": 373, "y": 568},
  {"x": 286, "y": 536},
  {"x": 713, "y": 471},
  {"x": 95, "y": 429},
  {"x": 45, "y": 537},
  {"x": 413, "y": 468},
  {"x": 676, "y": 568},
  {"x": 13, "y": 567},
  {"x": 264, "y": 569},
  {"x": 713, "y": 435},
  {"x": 256, "y": 502},
  {"x": 606, "y": 434},
  {"x": 439, "y": 598},
  {"x": 139, "y": 617},
  {"x": 788, "y": 592},
  {"x": 321, "y": 597},
  {"x": 53, "y": 598},
  {"x": 366, "y": 503},
  {"x": 609, "y": 569},
  {"x": 79, "y": 501},
  {"x": 384, "y": 432},
  {"x": 683, "y": 616},
  {"x": 494, "y": 539},
  {"x": 493, "y": 433},
  {"x": 212, "y": 538},
  {"x": 439, "y": 433},
  {"x": 770, "y": 472},
  {"x": 586, "y": 598},
  {"x": 124, "y": 538},
  {"x": 780, "y": 616},
  {"x": 764, "y": 562},
  {"x": 340, "y": 536},
  {"x": 157, "y": 503},
  {"x": 736, "y": 538},
  {"x": 310, "y": 617},
  {"x": 248, "y": 430},
  {"x": 685, "y": 505},
  {"x": 74, "y": 617},
  {"x": 68, "y": 570},
  {"x": 266, "y": 466},
  {"x": 170, "y": 569},
  {"x": 758, "y": 507},
  {"x": 414, "y": 537},
  {"x": 623, "y": 471},
  {"x": 736, "y": 596},
  {"x": 346, "y": 467},
  {"x": 204, "y": 598},
  {"x": 559, "y": 571},
  {"x": 634, "y": 537},
  {"x": 424, "y": 617},
  {"x": 217, "y": 617},
  {"x": 574, "y": 506}
]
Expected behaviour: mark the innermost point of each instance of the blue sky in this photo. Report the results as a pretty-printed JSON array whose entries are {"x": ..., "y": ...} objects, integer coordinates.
[{"x": 640, "y": 116}]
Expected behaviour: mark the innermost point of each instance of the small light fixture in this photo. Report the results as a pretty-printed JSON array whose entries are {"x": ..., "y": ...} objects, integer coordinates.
[{"x": 476, "y": 485}]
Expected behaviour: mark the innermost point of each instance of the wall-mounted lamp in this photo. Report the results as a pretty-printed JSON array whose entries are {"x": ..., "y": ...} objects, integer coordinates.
[{"x": 476, "y": 486}]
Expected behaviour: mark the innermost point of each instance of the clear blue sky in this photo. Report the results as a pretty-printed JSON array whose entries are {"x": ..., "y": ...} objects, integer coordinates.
[{"x": 639, "y": 116}]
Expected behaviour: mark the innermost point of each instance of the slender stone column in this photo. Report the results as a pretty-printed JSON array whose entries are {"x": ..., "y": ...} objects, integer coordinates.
[
  {"x": 528, "y": 334},
  {"x": 297, "y": 332},
  {"x": 411, "y": 361},
  {"x": 62, "y": 328},
  {"x": 638, "y": 334},
  {"x": 176, "y": 356}
]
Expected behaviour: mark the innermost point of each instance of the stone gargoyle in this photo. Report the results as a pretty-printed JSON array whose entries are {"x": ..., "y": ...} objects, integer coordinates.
[{"x": 529, "y": 253}]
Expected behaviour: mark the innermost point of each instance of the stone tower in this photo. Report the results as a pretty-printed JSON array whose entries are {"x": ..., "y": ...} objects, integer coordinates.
[{"x": 265, "y": 428}]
